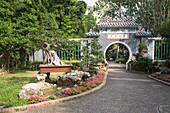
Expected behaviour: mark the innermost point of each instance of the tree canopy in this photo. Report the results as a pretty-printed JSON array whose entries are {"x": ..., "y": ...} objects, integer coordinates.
[
  {"x": 24, "y": 24},
  {"x": 149, "y": 13}
]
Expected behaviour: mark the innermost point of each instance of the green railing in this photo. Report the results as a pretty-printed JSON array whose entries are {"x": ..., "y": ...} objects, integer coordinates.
[
  {"x": 72, "y": 54},
  {"x": 162, "y": 50}
]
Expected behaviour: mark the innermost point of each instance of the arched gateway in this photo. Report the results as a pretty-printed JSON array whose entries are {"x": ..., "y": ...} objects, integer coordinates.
[
  {"x": 119, "y": 42},
  {"x": 125, "y": 31}
]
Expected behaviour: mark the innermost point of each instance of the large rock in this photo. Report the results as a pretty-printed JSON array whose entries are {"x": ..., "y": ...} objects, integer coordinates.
[
  {"x": 41, "y": 77},
  {"x": 70, "y": 79},
  {"x": 31, "y": 89}
]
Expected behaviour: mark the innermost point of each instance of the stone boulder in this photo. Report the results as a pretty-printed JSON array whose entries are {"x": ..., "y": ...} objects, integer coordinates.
[
  {"x": 31, "y": 89},
  {"x": 94, "y": 70},
  {"x": 70, "y": 79},
  {"x": 41, "y": 77}
]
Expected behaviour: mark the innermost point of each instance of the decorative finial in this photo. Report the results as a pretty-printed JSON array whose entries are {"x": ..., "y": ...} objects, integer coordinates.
[
  {"x": 91, "y": 30},
  {"x": 129, "y": 18},
  {"x": 124, "y": 19},
  {"x": 140, "y": 28}
]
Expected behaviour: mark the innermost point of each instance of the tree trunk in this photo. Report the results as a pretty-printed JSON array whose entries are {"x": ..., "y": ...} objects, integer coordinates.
[
  {"x": 16, "y": 63},
  {"x": 6, "y": 64},
  {"x": 33, "y": 56},
  {"x": 43, "y": 52}
]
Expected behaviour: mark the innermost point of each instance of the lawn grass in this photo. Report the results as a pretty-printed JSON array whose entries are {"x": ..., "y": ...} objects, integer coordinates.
[{"x": 11, "y": 84}]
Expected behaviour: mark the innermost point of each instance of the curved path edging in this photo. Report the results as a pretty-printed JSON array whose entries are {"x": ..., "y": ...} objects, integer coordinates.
[
  {"x": 51, "y": 102},
  {"x": 159, "y": 80}
]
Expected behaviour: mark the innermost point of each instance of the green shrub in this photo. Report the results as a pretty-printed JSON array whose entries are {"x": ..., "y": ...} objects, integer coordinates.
[
  {"x": 34, "y": 65},
  {"x": 142, "y": 64},
  {"x": 75, "y": 63},
  {"x": 120, "y": 60},
  {"x": 142, "y": 49},
  {"x": 53, "y": 97}
]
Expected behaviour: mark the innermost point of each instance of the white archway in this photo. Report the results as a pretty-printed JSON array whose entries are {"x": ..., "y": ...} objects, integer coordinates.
[{"x": 129, "y": 49}]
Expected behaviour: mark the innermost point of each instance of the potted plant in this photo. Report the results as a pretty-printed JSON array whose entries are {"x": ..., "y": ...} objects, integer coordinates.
[{"x": 120, "y": 60}]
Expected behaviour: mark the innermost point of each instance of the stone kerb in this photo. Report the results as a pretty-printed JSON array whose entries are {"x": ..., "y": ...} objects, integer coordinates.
[
  {"x": 30, "y": 106},
  {"x": 159, "y": 80}
]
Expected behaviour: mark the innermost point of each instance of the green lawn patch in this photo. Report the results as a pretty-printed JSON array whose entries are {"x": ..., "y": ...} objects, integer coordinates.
[{"x": 11, "y": 84}]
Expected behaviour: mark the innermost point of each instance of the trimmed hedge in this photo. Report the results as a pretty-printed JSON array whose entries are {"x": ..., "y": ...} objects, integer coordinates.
[
  {"x": 75, "y": 63},
  {"x": 34, "y": 65}
]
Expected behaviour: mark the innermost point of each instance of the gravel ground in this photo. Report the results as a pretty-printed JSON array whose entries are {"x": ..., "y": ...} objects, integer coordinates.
[{"x": 125, "y": 92}]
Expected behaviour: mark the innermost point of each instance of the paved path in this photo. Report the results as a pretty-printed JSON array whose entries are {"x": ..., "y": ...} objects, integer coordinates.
[{"x": 125, "y": 92}]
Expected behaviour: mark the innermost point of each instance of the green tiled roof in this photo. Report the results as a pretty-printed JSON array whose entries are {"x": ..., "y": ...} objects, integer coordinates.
[
  {"x": 118, "y": 24},
  {"x": 95, "y": 34},
  {"x": 142, "y": 34}
]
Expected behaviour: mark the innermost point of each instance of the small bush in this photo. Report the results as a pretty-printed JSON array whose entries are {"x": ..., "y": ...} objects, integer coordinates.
[
  {"x": 75, "y": 63},
  {"x": 120, "y": 60},
  {"x": 34, "y": 65},
  {"x": 53, "y": 97},
  {"x": 142, "y": 64}
]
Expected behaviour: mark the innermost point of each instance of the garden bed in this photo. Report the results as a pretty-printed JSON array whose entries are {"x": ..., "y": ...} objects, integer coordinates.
[
  {"x": 164, "y": 78},
  {"x": 61, "y": 94},
  {"x": 11, "y": 84}
]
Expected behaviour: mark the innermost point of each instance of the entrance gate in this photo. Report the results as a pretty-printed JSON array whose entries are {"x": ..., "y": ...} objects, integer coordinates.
[{"x": 162, "y": 50}]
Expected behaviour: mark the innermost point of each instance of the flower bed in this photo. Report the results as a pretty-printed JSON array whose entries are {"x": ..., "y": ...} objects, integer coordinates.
[
  {"x": 163, "y": 77},
  {"x": 60, "y": 92},
  {"x": 35, "y": 99},
  {"x": 86, "y": 85}
]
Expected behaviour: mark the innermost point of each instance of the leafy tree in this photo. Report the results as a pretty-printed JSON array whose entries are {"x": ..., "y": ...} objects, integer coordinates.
[
  {"x": 24, "y": 24},
  {"x": 89, "y": 21},
  {"x": 92, "y": 54},
  {"x": 149, "y": 13},
  {"x": 164, "y": 30},
  {"x": 71, "y": 13}
]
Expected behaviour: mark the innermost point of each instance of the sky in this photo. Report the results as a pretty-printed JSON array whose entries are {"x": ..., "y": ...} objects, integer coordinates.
[{"x": 90, "y": 2}]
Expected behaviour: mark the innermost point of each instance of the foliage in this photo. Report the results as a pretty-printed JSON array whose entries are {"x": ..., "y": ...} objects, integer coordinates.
[
  {"x": 75, "y": 63},
  {"x": 86, "y": 85},
  {"x": 34, "y": 65},
  {"x": 142, "y": 64},
  {"x": 142, "y": 49},
  {"x": 24, "y": 24},
  {"x": 11, "y": 84},
  {"x": 161, "y": 77},
  {"x": 35, "y": 99},
  {"x": 89, "y": 21},
  {"x": 164, "y": 30},
  {"x": 120, "y": 60},
  {"x": 53, "y": 97},
  {"x": 17, "y": 102},
  {"x": 167, "y": 62},
  {"x": 92, "y": 54},
  {"x": 73, "y": 91},
  {"x": 148, "y": 13},
  {"x": 114, "y": 52}
]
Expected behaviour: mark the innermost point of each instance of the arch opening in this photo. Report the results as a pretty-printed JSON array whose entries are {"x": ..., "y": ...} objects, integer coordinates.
[{"x": 119, "y": 43}]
